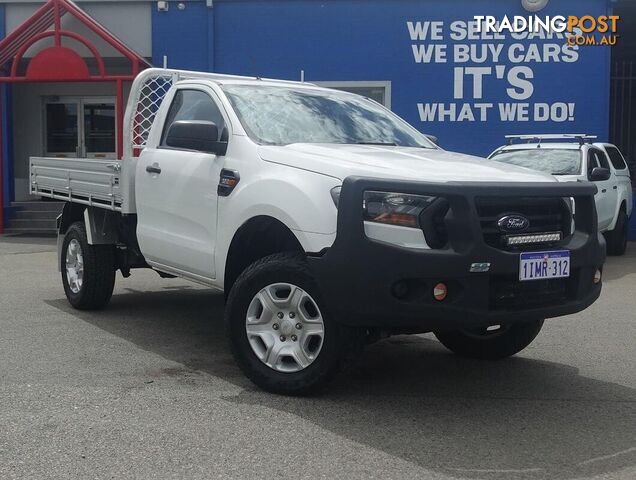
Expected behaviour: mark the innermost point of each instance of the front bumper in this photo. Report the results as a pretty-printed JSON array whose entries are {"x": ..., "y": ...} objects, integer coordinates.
[{"x": 358, "y": 276}]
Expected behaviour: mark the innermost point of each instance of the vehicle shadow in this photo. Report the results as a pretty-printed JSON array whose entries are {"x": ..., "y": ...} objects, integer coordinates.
[
  {"x": 617, "y": 268},
  {"x": 406, "y": 396}
]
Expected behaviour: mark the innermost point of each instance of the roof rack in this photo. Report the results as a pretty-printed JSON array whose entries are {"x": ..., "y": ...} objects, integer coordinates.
[
  {"x": 580, "y": 137},
  {"x": 188, "y": 74}
]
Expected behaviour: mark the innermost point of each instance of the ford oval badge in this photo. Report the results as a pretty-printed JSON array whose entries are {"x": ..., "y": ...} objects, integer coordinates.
[{"x": 513, "y": 223}]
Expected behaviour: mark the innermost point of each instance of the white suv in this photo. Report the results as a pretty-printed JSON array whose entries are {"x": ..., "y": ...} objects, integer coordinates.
[{"x": 573, "y": 158}]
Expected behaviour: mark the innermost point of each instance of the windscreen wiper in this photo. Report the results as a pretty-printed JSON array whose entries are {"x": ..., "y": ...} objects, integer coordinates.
[{"x": 381, "y": 144}]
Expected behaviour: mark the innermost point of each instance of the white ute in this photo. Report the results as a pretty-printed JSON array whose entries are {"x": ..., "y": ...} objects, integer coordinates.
[
  {"x": 328, "y": 222},
  {"x": 574, "y": 158}
]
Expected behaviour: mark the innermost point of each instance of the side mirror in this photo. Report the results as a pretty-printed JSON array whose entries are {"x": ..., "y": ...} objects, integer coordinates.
[
  {"x": 600, "y": 174},
  {"x": 196, "y": 135},
  {"x": 432, "y": 138}
]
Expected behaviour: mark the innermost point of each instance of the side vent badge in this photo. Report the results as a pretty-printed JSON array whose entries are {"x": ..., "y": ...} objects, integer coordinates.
[
  {"x": 480, "y": 268},
  {"x": 228, "y": 181}
]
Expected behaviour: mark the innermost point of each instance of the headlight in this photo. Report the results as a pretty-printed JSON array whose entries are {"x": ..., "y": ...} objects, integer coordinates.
[{"x": 395, "y": 208}]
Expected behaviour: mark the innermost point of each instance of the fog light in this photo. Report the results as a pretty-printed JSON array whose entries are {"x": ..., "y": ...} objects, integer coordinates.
[
  {"x": 401, "y": 290},
  {"x": 597, "y": 277},
  {"x": 440, "y": 292}
]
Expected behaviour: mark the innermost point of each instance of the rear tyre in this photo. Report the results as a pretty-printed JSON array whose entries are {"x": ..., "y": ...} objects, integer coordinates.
[
  {"x": 617, "y": 238},
  {"x": 280, "y": 330},
  {"x": 88, "y": 271},
  {"x": 491, "y": 343}
]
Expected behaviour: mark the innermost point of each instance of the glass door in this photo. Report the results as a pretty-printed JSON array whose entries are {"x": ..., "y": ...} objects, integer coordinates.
[
  {"x": 61, "y": 137},
  {"x": 80, "y": 127},
  {"x": 99, "y": 131}
]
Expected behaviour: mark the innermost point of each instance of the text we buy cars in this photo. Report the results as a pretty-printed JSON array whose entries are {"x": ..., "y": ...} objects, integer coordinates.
[{"x": 578, "y": 30}]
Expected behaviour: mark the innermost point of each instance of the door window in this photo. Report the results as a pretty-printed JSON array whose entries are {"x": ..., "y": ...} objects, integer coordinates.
[
  {"x": 99, "y": 128},
  {"x": 596, "y": 160},
  {"x": 192, "y": 105},
  {"x": 602, "y": 159},
  {"x": 61, "y": 128},
  {"x": 80, "y": 127}
]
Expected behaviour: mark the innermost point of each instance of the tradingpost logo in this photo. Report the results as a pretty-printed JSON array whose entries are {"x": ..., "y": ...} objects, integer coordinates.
[{"x": 577, "y": 30}]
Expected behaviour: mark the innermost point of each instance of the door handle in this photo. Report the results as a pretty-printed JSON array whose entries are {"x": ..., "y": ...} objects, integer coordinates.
[{"x": 153, "y": 169}]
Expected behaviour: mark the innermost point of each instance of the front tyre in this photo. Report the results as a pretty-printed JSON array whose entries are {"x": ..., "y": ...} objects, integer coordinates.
[
  {"x": 617, "y": 238},
  {"x": 491, "y": 343},
  {"x": 280, "y": 331},
  {"x": 88, "y": 271}
]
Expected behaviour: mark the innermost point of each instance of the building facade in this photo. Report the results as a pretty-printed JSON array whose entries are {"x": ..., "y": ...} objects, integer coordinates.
[{"x": 423, "y": 59}]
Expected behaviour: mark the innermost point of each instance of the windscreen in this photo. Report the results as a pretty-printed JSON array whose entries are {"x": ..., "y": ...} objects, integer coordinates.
[
  {"x": 552, "y": 161},
  {"x": 285, "y": 115}
]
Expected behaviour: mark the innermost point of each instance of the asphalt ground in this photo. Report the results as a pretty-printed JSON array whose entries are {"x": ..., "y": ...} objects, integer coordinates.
[{"x": 147, "y": 389}]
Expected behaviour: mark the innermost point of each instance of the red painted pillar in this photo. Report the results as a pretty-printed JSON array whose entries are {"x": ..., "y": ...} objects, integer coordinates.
[
  {"x": 120, "y": 119},
  {"x": 2, "y": 160}
]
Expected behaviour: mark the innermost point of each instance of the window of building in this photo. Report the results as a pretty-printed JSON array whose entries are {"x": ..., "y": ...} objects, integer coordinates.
[
  {"x": 99, "y": 128},
  {"x": 62, "y": 128},
  {"x": 378, "y": 91},
  {"x": 80, "y": 127}
]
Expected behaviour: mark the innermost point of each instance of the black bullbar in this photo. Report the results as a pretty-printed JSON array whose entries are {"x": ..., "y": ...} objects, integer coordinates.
[{"x": 369, "y": 283}]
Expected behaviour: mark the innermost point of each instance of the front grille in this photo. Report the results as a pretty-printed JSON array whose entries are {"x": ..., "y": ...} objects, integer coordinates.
[
  {"x": 550, "y": 214},
  {"x": 508, "y": 293}
]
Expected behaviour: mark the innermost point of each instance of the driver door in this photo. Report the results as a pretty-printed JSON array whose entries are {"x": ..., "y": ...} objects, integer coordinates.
[{"x": 176, "y": 193}]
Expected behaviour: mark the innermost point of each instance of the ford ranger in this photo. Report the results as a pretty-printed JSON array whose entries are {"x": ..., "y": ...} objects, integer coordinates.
[{"x": 328, "y": 222}]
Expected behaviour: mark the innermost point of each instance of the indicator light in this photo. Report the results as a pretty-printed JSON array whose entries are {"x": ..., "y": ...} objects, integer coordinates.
[{"x": 440, "y": 292}]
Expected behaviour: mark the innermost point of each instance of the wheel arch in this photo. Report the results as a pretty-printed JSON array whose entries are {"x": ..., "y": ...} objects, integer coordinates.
[
  {"x": 621, "y": 207},
  {"x": 101, "y": 225},
  {"x": 71, "y": 213},
  {"x": 258, "y": 237}
]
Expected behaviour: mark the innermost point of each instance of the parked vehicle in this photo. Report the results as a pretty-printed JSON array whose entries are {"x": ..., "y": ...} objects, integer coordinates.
[
  {"x": 327, "y": 221},
  {"x": 574, "y": 158}
]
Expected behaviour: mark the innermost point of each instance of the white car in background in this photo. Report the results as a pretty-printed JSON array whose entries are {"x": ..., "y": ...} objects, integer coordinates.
[{"x": 574, "y": 158}]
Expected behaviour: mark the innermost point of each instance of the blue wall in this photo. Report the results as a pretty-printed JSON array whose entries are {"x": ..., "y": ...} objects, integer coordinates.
[
  {"x": 7, "y": 133},
  {"x": 336, "y": 40},
  {"x": 184, "y": 36}
]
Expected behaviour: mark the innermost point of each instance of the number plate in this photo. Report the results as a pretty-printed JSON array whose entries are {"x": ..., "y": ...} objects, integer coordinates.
[{"x": 544, "y": 265}]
